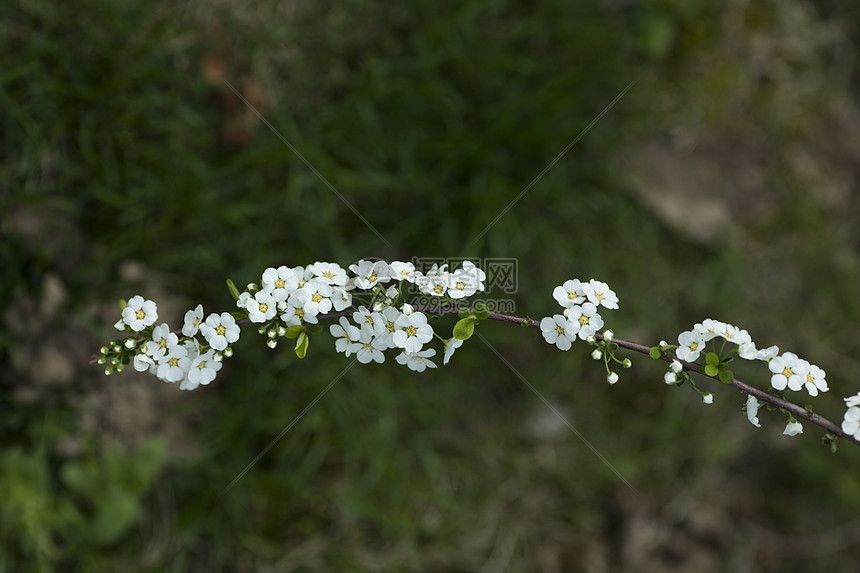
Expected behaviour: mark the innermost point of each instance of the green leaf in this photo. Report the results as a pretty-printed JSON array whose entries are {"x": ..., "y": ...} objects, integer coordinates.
[
  {"x": 726, "y": 376},
  {"x": 711, "y": 370},
  {"x": 315, "y": 329},
  {"x": 464, "y": 328},
  {"x": 294, "y": 331},
  {"x": 655, "y": 353},
  {"x": 302, "y": 345},
  {"x": 481, "y": 311},
  {"x": 712, "y": 358},
  {"x": 234, "y": 292},
  {"x": 463, "y": 312}
]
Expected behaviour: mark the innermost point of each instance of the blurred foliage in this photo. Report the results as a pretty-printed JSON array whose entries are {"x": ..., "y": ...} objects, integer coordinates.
[{"x": 123, "y": 144}]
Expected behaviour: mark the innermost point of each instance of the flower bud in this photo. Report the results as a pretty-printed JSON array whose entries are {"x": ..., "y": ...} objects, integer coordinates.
[
  {"x": 228, "y": 352},
  {"x": 252, "y": 288},
  {"x": 676, "y": 366},
  {"x": 108, "y": 370},
  {"x": 101, "y": 361},
  {"x": 104, "y": 350},
  {"x": 708, "y": 398},
  {"x": 128, "y": 343},
  {"x": 377, "y": 307},
  {"x": 608, "y": 335},
  {"x": 407, "y": 309},
  {"x": 271, "y": 333},
  {"x": 591, "y": 339},
  {"x": 612, "y": 378},
  {"x": 669, "y": 378},
  {"x": 120, "y": 367},
  {"x": 261, "y": 330},
  {"x": 271, "y": 343},
  {"x": 663, "y": 344},
  {"x": 626, "y": 363},
  {"x": 597, "y": 354},
  {"x": 282, "y": 330}
]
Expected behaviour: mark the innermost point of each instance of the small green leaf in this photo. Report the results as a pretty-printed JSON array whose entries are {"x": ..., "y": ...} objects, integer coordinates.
[
  {"x": 711, "y": 370},
  {"x": 712, "y": 358},
  {"x": 464, "y": 328},
  {"x": 655, "y": 353},
  {"x": 726, "y": 376},
  {"x": 122, "y": 304},
  {"x": 481, "y": 311},
  {"x": 302, "y": 345},
  {"x": 294, "y": 331},
  {"x": 463, "y": 312},
  {"x": 315, "y": 329},
  {"x": 234, "y": 292}
]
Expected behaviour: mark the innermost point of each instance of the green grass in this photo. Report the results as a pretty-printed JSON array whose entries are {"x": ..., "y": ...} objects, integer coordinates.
[{"x": 429, "y": 119}]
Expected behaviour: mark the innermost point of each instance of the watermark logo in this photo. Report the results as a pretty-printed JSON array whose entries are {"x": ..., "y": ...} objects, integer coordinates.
[{"x": 500, "y": 278}]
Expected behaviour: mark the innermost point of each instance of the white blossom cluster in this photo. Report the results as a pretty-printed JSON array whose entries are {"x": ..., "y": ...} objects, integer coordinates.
[
  {"x": 580, "y": 317},
  {"x": 851, "y": 420},
  {"x": 164, "y": 354},
  {"x": 295, "y": 297},
  {"x": 787, "y": 369}
]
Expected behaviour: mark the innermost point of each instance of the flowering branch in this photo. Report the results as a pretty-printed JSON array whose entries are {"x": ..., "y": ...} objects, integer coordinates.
[{"x": 292, "y": 301}]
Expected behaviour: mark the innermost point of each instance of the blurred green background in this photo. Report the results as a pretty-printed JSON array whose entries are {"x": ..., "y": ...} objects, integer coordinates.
[{"x": 723, "y": 185}]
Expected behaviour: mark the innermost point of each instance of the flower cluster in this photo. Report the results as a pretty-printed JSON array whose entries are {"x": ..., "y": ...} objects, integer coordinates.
[
  {"x": 851, "y": 420},
  {"x": 788, "y": 370},
  {"x": 164, "y": 353},
  {"x": 580, "y": 319},
  {"x": 288, "y": 302}
]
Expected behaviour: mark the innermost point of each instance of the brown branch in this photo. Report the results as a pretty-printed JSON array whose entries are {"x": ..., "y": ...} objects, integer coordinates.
[{"x": 794, "y": 409}]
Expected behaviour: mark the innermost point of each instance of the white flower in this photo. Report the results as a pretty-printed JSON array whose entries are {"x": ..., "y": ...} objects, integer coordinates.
[
  {"x": 384, "y": 325},
  {"x": 139, "y": 313},
  {"x": 435, "y": 282},
  {"x": 734, "y": 334},
  {"x": 220, "y": 330},
  {"x": 417, "y": 361},
  {"x": 752, "y": 410},
  {"x": 412, "y": 332},
  {"x": 451, "y": 345},
  {"x": 670, "y": 377},
  {"x": 315, "y": 296},
  {"x": 464, "y": 282},
  {"x": 569, "y": 294},
  {"x": 599, "y": 293},
  {"x": 478, "y": 276},
  {"x": 261, "y": 307},
  {"x": 852, "y": 401},
  {"x": 676, "y": 366},
  {"x": 346, "y": 334},
  {"x": 708, "y": 398},
  {"x": 709, "y": 329},
  {"x": 368, "y": 273},
  {"x": 162, "y": 339},
  {"x": 401, "y": 271},
  {"x": 851, "y": 422},
  {"x": 559, "y": 331},
  {"x": 368, "y": 348},
  {"x": 365, "y": 319},
  {"x": 788, "y": 370},
  {"x": 597, "y": 354},
  {"x": 690, "y": 345},
  {"x": 407, "y": 309},
  {"x": 748, "y": 351},
  {"x": 587, "y": 317},
  {"x": 174, "y": 365},
  {"x": 202, "y": 371},
  {"x": 193, "y": 318},
  {"x": 341, "y": 298},
  {"x": 612, "y": 378},
  {"x": 292, "y": 312},
  {"x": 280, "y": 282},
  {"x": 793, "y": 428},
  {"x": 814, "y": 380},
  {"x": 143, "y": 362},
  {"x": 329, "y": 273}
]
